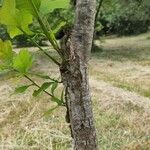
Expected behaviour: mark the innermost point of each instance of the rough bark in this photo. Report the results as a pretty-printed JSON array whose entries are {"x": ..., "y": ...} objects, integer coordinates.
[{"x": 74, "y": 73}]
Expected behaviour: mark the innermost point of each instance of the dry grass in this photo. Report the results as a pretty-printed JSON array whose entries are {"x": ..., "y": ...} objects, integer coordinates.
[
  {"x": 119, "y": 77},
  {"x": 125, "y": 63}
]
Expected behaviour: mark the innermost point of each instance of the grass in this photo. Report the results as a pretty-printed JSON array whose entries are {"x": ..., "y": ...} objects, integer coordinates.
[
  {"x": 119, "y": 74},
  {"x": 115, "y": 132},
  {"x": 124, "y": 62},
  {"x": 124, "y": 84}
]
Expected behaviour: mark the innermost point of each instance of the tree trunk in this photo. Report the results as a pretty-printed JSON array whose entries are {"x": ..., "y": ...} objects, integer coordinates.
[
  {"x": 74, "y": 72},
  {"x": 94, "y": 47}
]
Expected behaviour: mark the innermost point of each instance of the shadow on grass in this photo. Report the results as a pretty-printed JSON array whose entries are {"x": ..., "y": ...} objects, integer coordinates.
[
  {"x": 97, "y": 49},
  {"x": 121, "y": 54}
]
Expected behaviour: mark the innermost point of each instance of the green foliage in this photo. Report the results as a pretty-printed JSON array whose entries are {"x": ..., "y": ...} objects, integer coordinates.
[
  {"x": 42, "y": 88},
  {"x": 42, "y": 6},
  {"x": 57, "y": 28},
  {"x": 49, "y": 112},
  {"x": 28, "y": 5},
  {"x": 18, "y": 15},
  {"x": 51, "y": 5},
  {"x": 9, "y": 60},
  {"x": 18, "y": 18},
  {"x": 22, "y": 89},
  {"x": 23, "y": 61},
  {"x": 125, "y": 17},
  {"x": 62, "y": 19},
  {"x": 54, "y": 86},
  {"x": 57, "y": 100},
  {"x": 14, "y": 18},
  {"x": 6, "y": 53}
]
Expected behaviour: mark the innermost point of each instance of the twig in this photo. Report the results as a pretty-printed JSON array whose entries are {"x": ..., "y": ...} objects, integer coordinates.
[
  {"x": 41, "y": 49},
  {"x": 34, "y": 83}
]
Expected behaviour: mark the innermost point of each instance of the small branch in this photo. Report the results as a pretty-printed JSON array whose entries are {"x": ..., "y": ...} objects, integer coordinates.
[
  {"x": 34, "y": 83},
  {"x": 40, "y": 48},
  {"x": 44, "y": 76},
  {"x": 50, "y": 35}
]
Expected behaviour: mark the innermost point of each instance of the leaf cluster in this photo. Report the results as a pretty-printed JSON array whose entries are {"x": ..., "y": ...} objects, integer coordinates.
[{"x": 17, "y": 16}]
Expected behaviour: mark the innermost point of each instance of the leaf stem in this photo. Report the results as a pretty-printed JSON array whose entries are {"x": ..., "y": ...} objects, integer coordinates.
[
  {"x": 50, "y": 36},
  {"x": 40, "y": 48},
  {"x": 34, "y": 83},
  {"x": 44, "y": 76}
]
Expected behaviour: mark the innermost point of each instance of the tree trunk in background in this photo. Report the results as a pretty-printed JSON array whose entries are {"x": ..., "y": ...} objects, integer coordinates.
[
  {"x": 100, "y": 2},
  {"x": 74, "y": 72}
]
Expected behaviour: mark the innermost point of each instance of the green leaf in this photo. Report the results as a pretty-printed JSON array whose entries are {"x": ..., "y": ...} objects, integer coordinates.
[
  {"x": 48, "y": 112},
  {"x": 24, "y": 19},
  {"x": 22, "y": 89},
  {"x": 8, "y": 12},
  {"x": 17, "y": 14},
  {"x": 6, "y": 52},
  {"x": 42, "y": 6},
  {"x": 28, "y": 5},
  {"x": 57, "y": 100},
  {"x": 23, "y": 61},
  {"x": 48, "y": 6},
  {"x": 14, "y": 18},
  {"x": 54, "y": 86},
  {"x": 58, "y": 27},
  {"x": 42, "y": 88}
]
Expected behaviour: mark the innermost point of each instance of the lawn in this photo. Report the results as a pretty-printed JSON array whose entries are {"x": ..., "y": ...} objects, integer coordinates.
[{"x": 120, "y": 84}]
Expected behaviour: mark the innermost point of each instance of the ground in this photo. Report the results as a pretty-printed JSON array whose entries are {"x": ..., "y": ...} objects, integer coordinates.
[{"x": 120, "y": 85}]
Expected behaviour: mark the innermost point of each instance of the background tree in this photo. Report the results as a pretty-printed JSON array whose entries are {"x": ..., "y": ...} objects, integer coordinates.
[{"x": 124, "y": 17}]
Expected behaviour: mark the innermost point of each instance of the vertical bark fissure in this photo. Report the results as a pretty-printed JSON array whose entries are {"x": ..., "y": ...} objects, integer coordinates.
[{"x": 74, "y": 72}]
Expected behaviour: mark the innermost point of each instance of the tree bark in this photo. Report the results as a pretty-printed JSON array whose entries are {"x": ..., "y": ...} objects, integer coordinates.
[{"x": 74, "y": 72}]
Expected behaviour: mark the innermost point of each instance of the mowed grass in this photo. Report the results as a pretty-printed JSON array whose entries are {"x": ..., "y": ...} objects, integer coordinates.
[
  {"x": 120, "y": 84},
  {"x": 124, "y": 62}
]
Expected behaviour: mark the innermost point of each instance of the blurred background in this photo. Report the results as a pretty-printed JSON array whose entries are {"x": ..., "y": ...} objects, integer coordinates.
[{"x": 115, "y": 17}]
